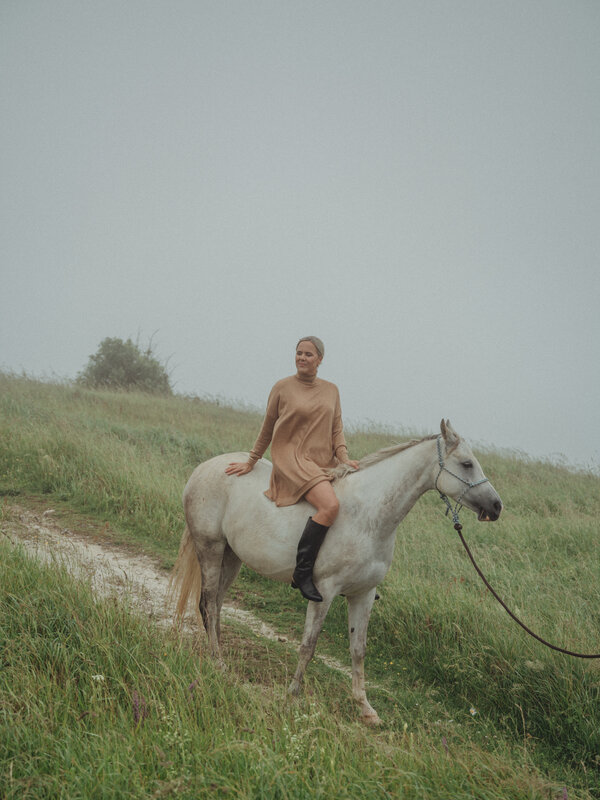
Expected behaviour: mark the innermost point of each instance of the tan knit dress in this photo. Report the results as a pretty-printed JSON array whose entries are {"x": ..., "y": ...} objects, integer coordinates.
[{"x": 303, "y": 424}]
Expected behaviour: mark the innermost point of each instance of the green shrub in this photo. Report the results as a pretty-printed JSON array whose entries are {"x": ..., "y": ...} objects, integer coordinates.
[{"x": 123, "y": 365}]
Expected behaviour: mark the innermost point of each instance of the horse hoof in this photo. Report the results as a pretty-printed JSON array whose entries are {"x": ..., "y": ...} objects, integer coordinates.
[
  {"x": 372, "y": 719},
  {"x": 294, "y": 688}
]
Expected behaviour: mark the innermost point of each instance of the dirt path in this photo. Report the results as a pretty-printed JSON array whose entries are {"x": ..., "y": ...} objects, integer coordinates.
[{"x": 112, "y": 569}]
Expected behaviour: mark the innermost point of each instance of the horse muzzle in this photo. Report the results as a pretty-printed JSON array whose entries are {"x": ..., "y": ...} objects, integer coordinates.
[{"x": 490, "y": 515}]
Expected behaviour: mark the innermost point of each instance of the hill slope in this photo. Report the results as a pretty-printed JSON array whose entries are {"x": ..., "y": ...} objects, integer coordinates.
[{"x": 438, "y": 645}]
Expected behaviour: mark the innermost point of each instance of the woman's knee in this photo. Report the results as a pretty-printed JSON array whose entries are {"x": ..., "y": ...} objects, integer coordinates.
[
  {"x": 329, "y": 509},
  {"x": 324, "y": 499}
]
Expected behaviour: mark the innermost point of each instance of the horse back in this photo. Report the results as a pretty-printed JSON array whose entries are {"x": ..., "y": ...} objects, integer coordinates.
[{"x": 209, "y": 490}]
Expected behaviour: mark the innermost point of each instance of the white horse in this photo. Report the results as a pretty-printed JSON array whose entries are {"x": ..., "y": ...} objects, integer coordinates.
[{"x": 230, "y": 521}]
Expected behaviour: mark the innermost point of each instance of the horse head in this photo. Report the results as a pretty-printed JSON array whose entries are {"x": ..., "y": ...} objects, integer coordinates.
[{"x": 460, "y": 476}]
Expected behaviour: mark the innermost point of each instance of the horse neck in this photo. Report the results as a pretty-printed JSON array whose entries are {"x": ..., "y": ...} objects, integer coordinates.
[{"x": 392, "y": 486}]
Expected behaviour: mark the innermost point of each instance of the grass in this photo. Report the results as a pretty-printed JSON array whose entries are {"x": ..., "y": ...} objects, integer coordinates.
[
  {"x": 473, "y": 707},
  {"x": 94, "y": 703}
]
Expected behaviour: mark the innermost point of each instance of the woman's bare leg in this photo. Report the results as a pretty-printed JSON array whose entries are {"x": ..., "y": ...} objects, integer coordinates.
[{"x": 324, "y": 499}]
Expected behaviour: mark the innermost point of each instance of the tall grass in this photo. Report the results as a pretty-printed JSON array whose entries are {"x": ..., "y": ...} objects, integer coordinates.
[
  {"x": 94, "y": 704},
  {"x": 439, "y": 646}
]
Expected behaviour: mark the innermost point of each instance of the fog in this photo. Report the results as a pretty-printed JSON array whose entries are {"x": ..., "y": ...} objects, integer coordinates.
[{"x": 414, "y": 182}]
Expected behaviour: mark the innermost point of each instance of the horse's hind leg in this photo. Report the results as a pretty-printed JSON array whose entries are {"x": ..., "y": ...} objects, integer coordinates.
[
  {"x": 230, "y": 568},
  {"x": 220, "y": 567},
  {"x": 359, "y": 611},
  {"x": 211, "y": 565},
  {"x": 315, "y": 617}
]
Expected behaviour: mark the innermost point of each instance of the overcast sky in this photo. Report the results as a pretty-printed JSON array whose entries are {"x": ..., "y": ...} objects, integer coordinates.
[{"x": 417, "y": 182}]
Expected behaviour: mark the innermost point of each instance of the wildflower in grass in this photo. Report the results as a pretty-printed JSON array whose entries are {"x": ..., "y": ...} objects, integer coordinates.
[
  {"x": 98, "y": 678},
  {"x": 473, "y": 711},
  {"x": 301, "y": 744}
]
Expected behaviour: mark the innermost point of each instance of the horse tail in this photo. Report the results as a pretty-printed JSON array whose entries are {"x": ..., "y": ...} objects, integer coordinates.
[{"x": 186, "y": 577}]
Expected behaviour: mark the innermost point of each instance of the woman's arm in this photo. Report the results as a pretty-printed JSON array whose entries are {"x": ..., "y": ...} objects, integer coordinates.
[
  {"x": 341, "y": 454},
  {"x": 263, "y": 440},
  {"x": 339, "y": 441}
]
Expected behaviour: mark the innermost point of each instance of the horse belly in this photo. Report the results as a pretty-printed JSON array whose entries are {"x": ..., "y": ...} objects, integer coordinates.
[
  {"x": 270, "y": 559},
  {"x": 263, "y": 536},
  {"x": 263, "y": 552}
]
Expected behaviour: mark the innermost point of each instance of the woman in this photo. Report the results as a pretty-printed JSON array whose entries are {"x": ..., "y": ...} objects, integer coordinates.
[{"x": 303, "y": 424}]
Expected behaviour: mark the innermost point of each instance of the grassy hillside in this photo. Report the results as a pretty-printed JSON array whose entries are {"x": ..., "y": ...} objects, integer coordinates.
[{"x": 472, "y": 705}]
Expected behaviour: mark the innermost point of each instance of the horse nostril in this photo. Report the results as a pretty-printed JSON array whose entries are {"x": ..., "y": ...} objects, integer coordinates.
[{"x": 498, "y": 507}]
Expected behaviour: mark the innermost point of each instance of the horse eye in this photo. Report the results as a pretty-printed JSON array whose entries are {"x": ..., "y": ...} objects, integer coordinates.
[{"x": 467, "y": 464}]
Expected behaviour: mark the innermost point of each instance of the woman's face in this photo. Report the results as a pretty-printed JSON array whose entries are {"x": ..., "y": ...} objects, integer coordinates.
[{"x": 307, "y": 359}]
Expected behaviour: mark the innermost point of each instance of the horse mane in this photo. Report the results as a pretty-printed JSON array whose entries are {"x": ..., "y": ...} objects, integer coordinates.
[{"x": 342, "y": 470}]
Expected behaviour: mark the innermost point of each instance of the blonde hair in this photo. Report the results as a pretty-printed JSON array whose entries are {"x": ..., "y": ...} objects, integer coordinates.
[{"x": 317, "y": 343}]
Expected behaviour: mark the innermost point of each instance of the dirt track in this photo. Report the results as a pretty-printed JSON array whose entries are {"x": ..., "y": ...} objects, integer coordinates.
[{"x": 114, "y": 570}]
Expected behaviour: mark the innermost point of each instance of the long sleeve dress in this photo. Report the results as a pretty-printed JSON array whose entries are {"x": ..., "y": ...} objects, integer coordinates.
[{"x": 303, "y": 424}]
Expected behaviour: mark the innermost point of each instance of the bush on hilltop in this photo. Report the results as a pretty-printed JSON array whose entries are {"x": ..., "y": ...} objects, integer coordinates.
[{"x": 123, "y": 365}]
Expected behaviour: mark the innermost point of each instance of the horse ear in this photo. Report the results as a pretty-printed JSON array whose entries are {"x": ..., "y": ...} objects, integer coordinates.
[{"x": 450, "y": 436}]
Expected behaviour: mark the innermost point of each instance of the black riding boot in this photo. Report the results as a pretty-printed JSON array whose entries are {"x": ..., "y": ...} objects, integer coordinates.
[{"x": 308, "y": 548}]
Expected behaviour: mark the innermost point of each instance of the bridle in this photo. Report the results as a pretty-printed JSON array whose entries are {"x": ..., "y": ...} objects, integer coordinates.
[
  {"x": 458, "y": 528},
  {"x": 468, "y": 486}
]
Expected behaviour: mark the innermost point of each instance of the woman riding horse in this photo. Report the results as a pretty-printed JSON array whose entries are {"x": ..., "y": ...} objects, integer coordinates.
[{"x": 303, "y": 424}]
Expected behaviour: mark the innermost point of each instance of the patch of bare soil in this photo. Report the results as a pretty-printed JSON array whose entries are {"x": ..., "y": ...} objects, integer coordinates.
[{"x": 114, "y": 570}]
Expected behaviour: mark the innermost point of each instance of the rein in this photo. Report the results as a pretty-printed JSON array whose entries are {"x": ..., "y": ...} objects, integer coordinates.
[{"x": 458, "y": 528}]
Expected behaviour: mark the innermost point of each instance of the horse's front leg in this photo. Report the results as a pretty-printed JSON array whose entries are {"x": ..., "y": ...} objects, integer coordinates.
[
  {"x": 359, "y": 611},
  {"x": 315, "y": 617}
]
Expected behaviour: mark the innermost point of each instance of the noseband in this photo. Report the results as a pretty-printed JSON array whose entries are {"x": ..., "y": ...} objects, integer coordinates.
[{"x": 468, "y": 485}]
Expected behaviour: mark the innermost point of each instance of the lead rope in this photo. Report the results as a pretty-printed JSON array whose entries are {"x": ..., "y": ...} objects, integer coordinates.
[{"x": 458, "y": 529}]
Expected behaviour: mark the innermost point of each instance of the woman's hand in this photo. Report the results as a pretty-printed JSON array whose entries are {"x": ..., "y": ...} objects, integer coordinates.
[
  {"x": 239, "y": 468},
  {"x": 353, "y": 464}
]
